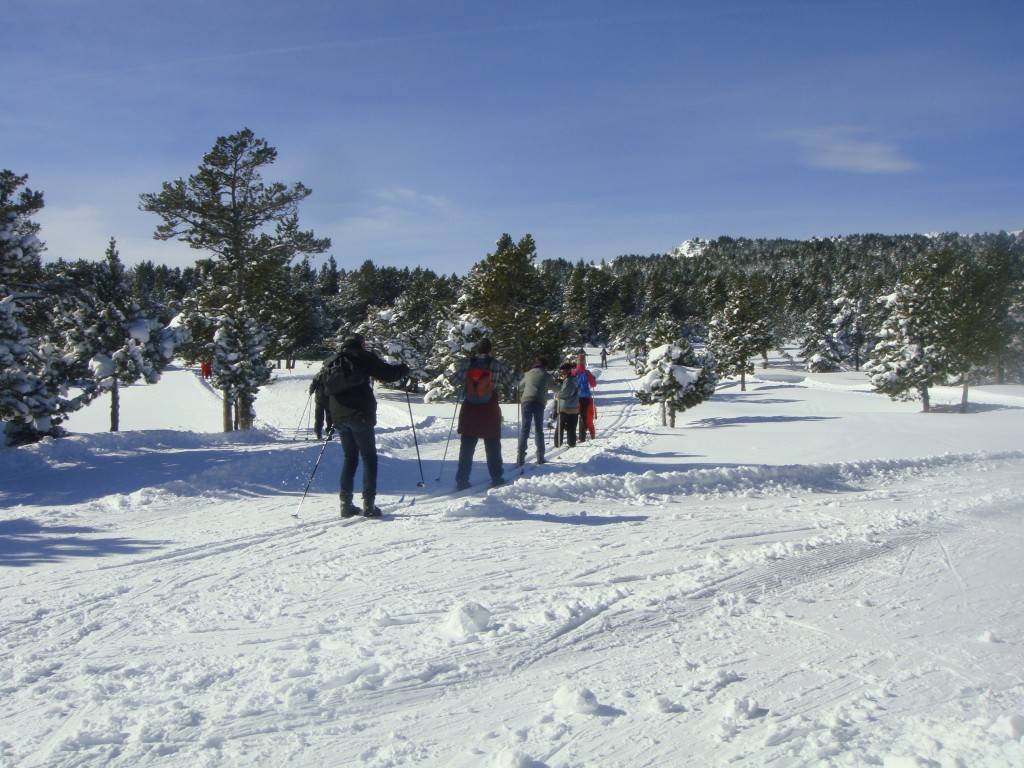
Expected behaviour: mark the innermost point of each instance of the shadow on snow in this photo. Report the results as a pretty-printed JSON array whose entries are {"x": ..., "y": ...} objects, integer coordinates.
[{"x": 25, "y": 543}]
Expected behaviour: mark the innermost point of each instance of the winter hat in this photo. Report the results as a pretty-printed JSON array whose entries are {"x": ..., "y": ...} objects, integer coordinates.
[
  {"x": 353, "y": 341},
  {"x": 483, "y": 347}
]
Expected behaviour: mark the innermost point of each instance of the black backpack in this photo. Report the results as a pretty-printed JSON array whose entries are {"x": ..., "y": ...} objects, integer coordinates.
[{"x": 342, "y": 373}]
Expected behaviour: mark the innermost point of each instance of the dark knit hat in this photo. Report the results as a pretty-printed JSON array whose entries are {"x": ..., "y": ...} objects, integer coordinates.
[{"x": 353, "y": 341}]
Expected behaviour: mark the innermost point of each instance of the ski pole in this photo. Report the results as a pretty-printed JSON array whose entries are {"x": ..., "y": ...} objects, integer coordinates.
[
  {"x": 309, "y": 417},
  {"x": 311, "y": 474},
  {"x": 450, "y": 429},
  {"x": 302, "y": 418},
  {"x": 415, "y": 441}
]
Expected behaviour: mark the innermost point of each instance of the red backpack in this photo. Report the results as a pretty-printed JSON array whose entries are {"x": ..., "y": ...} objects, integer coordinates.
[{"x": 479, "y": 386}]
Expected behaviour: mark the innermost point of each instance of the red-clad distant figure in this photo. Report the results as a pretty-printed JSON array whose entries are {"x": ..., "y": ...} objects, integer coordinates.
[
  {"x": 586, "y": 380},
  {"x": 206, "y": 369}
]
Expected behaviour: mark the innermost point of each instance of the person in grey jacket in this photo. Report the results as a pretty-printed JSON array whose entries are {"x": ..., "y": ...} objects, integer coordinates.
[
  {"x": 567, "y": 406},
  {"x": 534, "y": 390}
]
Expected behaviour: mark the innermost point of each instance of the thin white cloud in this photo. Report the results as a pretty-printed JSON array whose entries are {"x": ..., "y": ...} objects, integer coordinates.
[
  {"x": 401, "y": 197},
  {"x": 847, "y": 149}
]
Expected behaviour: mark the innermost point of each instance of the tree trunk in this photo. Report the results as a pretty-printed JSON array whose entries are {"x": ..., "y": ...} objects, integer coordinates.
[
  {"x": 926, "y": 403},
  {"x": 672, "y": 417},
  {"x": 228, "y": 421},
  {"x": 963, "y": 397},
  {"x": 115, "y": 408},
  {"x": 246, "y": 413},
  {"x": 764, "y": 359},
  {"x": 663, "y": 409},
  {"x": 743, "y": 381}
]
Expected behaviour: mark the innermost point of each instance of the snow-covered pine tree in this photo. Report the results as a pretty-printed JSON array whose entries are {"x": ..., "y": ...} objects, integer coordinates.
[
  {"x": 678, "y": 378},
  {"x": 903, "y": 362},
  {"x": 663, "y": 331},
  {"x": 849, "y": 329},
  {"x": 392, "y": 333},
  {"x": 461, "y": 336},
  {"x": 108, "y": 327},
  {"x": 239, "y": 366},
  {"x": 736, "y": 333},
  {"x": 32, "y": 386},
  {"x": 821, "y": 350}
]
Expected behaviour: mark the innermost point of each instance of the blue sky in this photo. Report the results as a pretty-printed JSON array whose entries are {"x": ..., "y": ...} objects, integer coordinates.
[{"x": 428, "y": 129}]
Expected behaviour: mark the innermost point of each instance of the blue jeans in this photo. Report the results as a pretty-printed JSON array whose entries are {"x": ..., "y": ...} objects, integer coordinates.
[
  {"x": 533, "y": 414},
  {"x": 492, "y": 446},
  {"x": 357, "y": 440}
]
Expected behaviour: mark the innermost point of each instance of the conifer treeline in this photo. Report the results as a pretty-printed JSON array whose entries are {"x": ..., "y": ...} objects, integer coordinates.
[
  {"x": 827, "y": 294},
  {"x": 914, "y": 310}
]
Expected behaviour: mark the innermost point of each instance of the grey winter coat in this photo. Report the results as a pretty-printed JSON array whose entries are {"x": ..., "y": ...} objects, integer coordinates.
[{"x": 535, "y": 385}]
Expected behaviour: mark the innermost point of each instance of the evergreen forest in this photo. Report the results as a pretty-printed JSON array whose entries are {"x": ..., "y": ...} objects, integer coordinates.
[{"x": 913, "y": 311}]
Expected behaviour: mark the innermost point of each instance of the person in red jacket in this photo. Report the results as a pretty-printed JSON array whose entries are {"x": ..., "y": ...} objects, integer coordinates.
[
  {"x": 586, "y": 381},
  {"x": 480, "y": 416}
]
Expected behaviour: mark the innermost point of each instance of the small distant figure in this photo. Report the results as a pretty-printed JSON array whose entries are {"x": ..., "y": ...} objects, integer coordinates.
[
  {"x": 206, "y": 369},
  {"x": 321, "y": 411},
  {"x": 604, "y": 357},
  {"x": 586, "y": 381}
]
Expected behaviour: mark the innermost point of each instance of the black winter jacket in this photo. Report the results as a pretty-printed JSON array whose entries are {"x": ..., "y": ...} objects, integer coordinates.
[{"x": 359, "y": 401}]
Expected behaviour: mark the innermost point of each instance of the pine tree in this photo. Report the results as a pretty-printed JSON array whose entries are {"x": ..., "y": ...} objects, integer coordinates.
[
  {"x": 678, "y": 378},
  {"x": 821, "y": 350},
  {"x": 506, "y": 292},
  {"x": 127, "y": 345},
  {"x": 903, "y": 364},
  {"x": 239, "y": 365},
  {"x": 225, "y": 208},
  {"x": 32, "y": 381},
  {"x": 738, "y": 332}
]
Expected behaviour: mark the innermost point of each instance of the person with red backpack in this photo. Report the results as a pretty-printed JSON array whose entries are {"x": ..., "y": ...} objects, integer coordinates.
[{"x": 479, "y": 379}]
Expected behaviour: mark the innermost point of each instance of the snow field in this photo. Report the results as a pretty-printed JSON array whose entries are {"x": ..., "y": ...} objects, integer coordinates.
[{"x": 803, "y": 574}]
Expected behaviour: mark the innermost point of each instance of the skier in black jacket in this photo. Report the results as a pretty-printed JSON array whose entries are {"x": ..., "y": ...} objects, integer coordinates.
[
  {"x": 355, "y": 414},
  {"x": 316, "y": 389}
]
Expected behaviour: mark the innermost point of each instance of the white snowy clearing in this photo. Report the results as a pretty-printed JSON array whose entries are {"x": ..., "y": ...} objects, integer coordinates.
[{"x": 802, "y": 574}]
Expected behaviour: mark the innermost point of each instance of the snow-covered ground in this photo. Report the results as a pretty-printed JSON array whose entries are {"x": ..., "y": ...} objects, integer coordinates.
[{"x": 802, "y": 574}]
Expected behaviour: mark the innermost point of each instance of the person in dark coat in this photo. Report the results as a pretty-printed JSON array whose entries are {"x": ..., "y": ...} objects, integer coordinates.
[
  {"x": 355, "y": 414},
  {"x": 481, "y": 420},
  {"x": 322, "y": 413}
]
